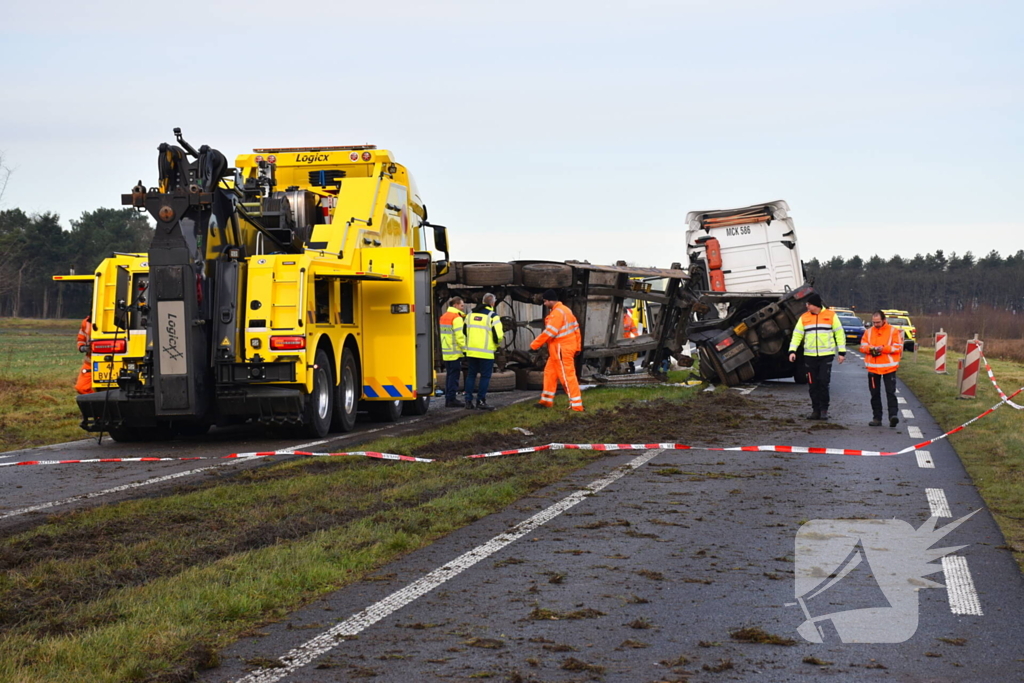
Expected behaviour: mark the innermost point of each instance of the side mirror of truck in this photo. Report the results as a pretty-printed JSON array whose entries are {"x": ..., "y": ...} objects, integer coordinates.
[{"x": 441, "y": 238}]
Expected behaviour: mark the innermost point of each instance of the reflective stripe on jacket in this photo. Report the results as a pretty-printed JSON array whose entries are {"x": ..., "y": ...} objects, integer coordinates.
[
  {"x": 822, "y": 334},
  {"x": 453, "y": 334},
  {"x": 560, "y": 327},
  {"x": 483, "y": 333},
  {"x": 890, "y": 340}
]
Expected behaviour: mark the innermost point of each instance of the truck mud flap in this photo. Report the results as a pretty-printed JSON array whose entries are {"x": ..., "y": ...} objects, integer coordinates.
[
  {"x": 113, "y": 408},
  {"x": 268, "y": 405}
]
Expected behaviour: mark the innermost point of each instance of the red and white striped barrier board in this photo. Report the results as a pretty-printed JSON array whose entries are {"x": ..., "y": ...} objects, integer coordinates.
[
  {"x": 940, "y": 352},
  {"x": 811, "y": 450},
  {"x": 972, "y": 366}
]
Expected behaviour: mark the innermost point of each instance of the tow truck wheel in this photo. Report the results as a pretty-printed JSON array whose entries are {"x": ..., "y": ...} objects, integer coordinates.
[
  {"x": 417, "y": 407},
  {"x": 346, "y": 399},
  {"x": 320, "y": 402},
  {"x": 384, "y": 411}
]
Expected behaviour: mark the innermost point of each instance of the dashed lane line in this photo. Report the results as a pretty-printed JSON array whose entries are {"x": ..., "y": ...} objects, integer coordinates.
[
  {"x": 331, "y": 638},
  {"x": 938, "y": 503},
  {"x": 963, "y": 598},
  {"x": 908, "y": 414},
  {"x": 924, "y": 459},
  {"x": 914, "y": 432},
  {"x": 900, "y": 399}
]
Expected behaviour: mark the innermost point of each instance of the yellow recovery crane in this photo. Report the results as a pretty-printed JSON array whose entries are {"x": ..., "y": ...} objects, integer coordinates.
[{"x": 286, "y": 290}]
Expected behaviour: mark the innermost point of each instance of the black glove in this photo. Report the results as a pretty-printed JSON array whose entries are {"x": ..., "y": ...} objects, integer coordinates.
[{"x": 876, "y": 350}]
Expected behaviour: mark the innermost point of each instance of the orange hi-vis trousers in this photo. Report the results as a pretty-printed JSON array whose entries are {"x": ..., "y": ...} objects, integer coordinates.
[
  {"x": 561, "y": 368},
  {"x": 83, "y": 384}
]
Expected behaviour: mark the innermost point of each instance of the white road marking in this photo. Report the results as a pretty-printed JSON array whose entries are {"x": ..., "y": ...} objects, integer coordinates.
[
  {"x": 900, "y": 399},
  {"x": 938, "y": 503},
  {"x": 745, "y": 390},
  {"x": 924, "y": 459},
  {"x": 907, "y": 414},
  {"x": 137, "y": 484},
  {"x": 963, "y": 598},
  {"x": 116, "y": 489},
  {"x": 914, "y": 432},
  {"x": 331, "y": 638}
]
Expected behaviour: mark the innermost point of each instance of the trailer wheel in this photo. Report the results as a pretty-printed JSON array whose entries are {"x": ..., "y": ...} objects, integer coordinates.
[
  {"x": 502, "y": 381},
  {"x": 384, "y": 411},
  {"x": 729, "y": 379},
  {"x": 547, "y": 275},
  {"x": 442, "y": 380},
  {"x": 486, "y": 274},
  {"x": 417, "y": 407},
  {"x": 320, "y": 402},
  {"x": 346, "y": 397}
]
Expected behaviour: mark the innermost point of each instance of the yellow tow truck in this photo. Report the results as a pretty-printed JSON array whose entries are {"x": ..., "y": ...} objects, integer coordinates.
[{"x": 288, "y": 289}]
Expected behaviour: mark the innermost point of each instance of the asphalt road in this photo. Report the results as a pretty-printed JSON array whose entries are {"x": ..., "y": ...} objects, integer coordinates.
[
  {"x": 29, "y": 493},
  {"x": 647, "y": 574}
]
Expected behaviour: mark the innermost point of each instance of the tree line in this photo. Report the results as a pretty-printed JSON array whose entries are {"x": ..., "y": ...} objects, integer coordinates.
[
  {"x": 35, "y": 248},
  {"x": 931, "y": 284}
]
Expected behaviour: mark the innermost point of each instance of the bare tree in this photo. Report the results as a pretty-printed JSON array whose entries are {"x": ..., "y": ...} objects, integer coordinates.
[{"x": 5, "y": 176}]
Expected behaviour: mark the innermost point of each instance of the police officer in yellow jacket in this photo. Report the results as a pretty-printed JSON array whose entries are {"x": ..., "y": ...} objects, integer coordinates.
[
  {"x": 453, "y": 348},
  {"x": 823, "y": 337},
  {"x": 483, "y": 335}
]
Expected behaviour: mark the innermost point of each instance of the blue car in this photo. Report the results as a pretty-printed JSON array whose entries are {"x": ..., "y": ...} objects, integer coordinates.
[{"x": 853, "y": 326}]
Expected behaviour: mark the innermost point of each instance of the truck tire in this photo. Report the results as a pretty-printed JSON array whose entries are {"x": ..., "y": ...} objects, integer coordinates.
[
  {"x": 161, "y": 432},
  {"x": 547, "y": 275},
  {"x": 535, "y": 380},
  {"x": 384, "y": 411},
  {"x": 319, "y": 411},
  {"x": 420, "y": 406},
  {"x": 502, "y": 381},
  {"x": 346, "y": 394},
  {"x": 487, "y": 274},
  {"x": 908, "y": 346},
  {"x": 729, "y": 379}
]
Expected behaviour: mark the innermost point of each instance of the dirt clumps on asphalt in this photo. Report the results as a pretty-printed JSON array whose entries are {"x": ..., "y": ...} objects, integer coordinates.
[{"x": 708, "y": 419}]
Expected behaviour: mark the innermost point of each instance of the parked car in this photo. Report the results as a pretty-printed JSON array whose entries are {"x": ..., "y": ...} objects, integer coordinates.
[
  {"x": 852, "y": 326},
  {"x": 901, "y": 319}
]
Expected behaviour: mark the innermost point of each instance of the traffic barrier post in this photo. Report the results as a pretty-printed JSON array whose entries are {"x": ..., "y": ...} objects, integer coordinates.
[
  {"x": 971, "y": 367},
  {"x": 940, "y": 352}
]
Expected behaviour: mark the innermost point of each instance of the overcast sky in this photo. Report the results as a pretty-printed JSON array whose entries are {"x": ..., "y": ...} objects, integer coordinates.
[{"x": 556, "y": 129}]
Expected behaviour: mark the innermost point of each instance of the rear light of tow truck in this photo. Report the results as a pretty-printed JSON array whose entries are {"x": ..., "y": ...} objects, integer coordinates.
[
  {"x": 101, "y": 346},
  {"x": 289, "y": 343}
]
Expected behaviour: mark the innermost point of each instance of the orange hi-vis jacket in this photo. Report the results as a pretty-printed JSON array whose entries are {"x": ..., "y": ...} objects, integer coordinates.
[
  {"x": 83, "y": 384},
  {"x": 890, "y": 340},
  {"x": 561, "y": 329},
  {"x": 629, "y": 328}
]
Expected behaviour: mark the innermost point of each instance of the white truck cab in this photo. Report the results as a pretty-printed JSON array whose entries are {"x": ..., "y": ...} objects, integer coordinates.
[{"x": 757, "y": 248}]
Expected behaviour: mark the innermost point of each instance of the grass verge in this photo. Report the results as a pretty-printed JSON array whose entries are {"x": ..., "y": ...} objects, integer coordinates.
[
  {"x": 38, "y": 368},
  {"x": 992, "y": 449},
  {"x": 152, "y": 589}
]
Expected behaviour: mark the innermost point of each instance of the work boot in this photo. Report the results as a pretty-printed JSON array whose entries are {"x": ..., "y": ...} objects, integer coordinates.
[
  {"x": 469, "y": 404},
  {"x": 456, "y": 403},
  {"x": 482, "y": 405},
  {"x": 876, "y": 422},
  {"x": 814, "y": 416},
  {"x": 824, "y": 415},
  {"x": 893, "y": 421}
]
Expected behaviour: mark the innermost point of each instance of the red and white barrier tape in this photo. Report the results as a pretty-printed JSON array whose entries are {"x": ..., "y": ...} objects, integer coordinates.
[
  {"x": 813, "y": 450},
  {"x": 991, "y": 376}
]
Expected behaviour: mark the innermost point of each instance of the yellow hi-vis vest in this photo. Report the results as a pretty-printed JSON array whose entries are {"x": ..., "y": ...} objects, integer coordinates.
[
  {"x": 483, "y": 333},
  {"x": 821, "y": 334},
  {"x": 453, "y": 334}
]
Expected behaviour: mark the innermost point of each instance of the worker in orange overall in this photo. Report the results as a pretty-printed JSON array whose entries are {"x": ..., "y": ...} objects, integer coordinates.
[
  {"x": 882, "y": 346},
  {"x": 629, "y": 331},
  {"x": 83, "y": 384},
  {"x": 562, "y": 335}
]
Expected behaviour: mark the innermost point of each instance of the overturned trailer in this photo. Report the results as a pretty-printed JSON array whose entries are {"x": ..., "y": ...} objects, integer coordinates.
[{"x": 599, "y": 296}]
